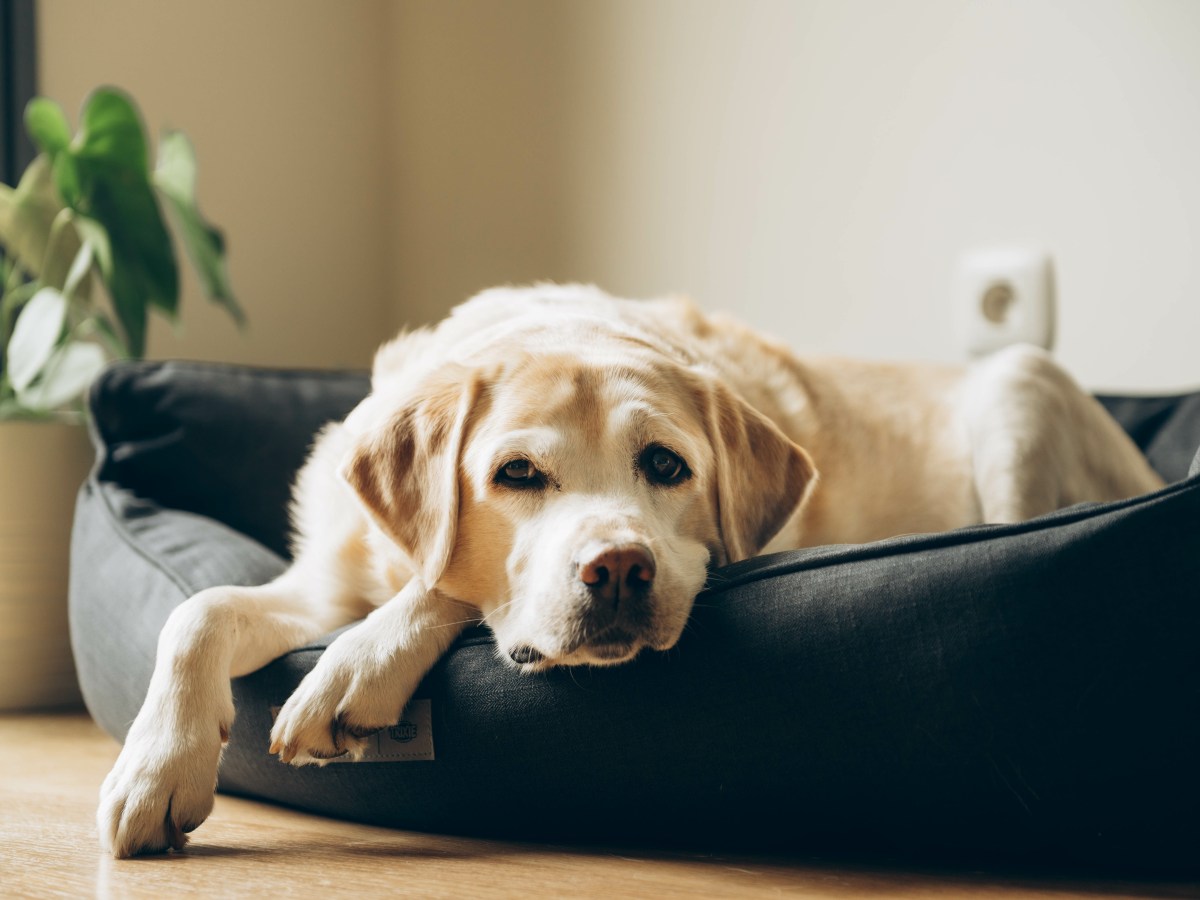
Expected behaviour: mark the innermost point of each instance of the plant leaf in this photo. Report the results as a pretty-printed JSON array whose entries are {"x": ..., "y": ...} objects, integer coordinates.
[
  {"x": 46, "y": 124},
  {"x": 28, "y": 213},
  {"x": 62, "y": 245},
  {"x": 8, "y": 208},
  {"x": 98, "y": 325},
  {"x": 108, "y": 333},
  {"x": 66, "y": 179},
  {"x": 175, "y": 178},
  {"x": 175, "y": 173},
  {"x": 77, "y": 275},
  {"x": 68, "y": 374},
  {"x": 128, "y": 301},
  {"x": 95, "y": 238},
  {"x": 94, "y": 235},
  {"x": 111, "y": 131},
  {"x": 34, "y": 337},
  {"x": 109, "y": 165}
]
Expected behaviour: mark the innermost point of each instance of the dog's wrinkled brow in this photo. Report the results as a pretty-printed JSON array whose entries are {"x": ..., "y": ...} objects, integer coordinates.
[{"x": 645, "y": 426}]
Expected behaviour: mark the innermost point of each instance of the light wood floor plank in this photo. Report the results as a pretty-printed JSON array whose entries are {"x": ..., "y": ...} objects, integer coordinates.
[{"x": 51, "y": 766}]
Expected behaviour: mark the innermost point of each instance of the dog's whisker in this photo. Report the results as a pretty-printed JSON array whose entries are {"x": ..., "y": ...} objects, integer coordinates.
[
  {"x": 483, "y": 620},
  {"x": 574, "y": 680},
  {"x": 475, "y": 621}
]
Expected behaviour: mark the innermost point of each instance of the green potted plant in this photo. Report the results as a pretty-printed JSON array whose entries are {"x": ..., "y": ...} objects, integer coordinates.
[{"x": 85, "y": 254}]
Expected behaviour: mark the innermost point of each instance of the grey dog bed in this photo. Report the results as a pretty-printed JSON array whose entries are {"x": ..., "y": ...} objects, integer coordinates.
[{"x": 1016, "y": 690}]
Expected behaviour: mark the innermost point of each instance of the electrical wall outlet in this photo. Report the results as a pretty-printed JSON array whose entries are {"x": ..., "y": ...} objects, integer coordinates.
[{"x": 1004, "y": 296}]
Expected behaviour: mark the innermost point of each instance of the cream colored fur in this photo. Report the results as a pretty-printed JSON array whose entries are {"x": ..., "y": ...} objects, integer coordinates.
[{"x": 404, "y": 513}]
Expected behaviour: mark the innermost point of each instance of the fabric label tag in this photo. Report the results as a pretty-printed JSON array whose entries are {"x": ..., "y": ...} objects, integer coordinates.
[{"x": 409, "y": 740}]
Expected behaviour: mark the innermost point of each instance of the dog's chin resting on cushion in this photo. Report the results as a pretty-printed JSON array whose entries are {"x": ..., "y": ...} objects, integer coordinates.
[{"x": 566, "y": 466}]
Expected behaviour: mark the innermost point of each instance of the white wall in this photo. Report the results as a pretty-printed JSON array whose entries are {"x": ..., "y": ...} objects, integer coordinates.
[
  {"x": 816, "y": 165},
  {"x": 283, "y": 100}
]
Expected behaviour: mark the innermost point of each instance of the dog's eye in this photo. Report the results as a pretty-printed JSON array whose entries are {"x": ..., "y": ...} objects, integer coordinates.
[
  {"x": 663, "y": 466},
  {"x": 518, "y": 473}
]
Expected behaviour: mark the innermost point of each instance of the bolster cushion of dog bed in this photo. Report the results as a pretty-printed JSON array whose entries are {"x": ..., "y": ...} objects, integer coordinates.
[{"x": 1029, "y": 689}]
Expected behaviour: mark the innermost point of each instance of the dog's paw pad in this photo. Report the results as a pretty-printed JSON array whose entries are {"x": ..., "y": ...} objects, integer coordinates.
[
  {"x": 305, "y": 735},
  {"x": 154, "y": 796},
  {"x": 333, "y": 714},
  {"x": 313, "y": 743}
]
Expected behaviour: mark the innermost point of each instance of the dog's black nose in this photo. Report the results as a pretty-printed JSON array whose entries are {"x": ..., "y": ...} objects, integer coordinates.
[
  {"x": 618, "y": 572},
  {"x": 523, "y": 653}
]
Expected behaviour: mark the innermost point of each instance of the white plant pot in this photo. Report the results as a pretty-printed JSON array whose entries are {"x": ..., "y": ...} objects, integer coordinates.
[{"x": 42, "y": 465}]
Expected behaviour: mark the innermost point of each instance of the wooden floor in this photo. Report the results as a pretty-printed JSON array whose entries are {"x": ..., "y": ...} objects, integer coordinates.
[{"x": 51, "y": 766}]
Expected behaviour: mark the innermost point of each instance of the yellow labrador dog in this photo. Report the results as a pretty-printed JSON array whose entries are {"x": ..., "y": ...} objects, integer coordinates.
[{"x": 566, "y": 466}]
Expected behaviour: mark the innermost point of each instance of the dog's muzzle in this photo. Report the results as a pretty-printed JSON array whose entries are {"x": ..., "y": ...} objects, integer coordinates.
[
  {"x": 617, "y": 574},
  {"x": 617, "y": 581}
]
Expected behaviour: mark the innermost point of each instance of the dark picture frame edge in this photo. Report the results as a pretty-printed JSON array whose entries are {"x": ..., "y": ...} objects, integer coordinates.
[{"x": 18, "y": 84}]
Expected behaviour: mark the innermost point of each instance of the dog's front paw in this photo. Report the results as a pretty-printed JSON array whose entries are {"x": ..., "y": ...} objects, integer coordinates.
[
  {"x": 345, "y": 699},
  {"x": 160, "y": 789}
]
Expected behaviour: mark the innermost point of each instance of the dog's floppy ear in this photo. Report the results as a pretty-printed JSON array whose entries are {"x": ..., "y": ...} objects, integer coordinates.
[
  {"x": 405, "y": 472},
  {"x": 762, "y": 476}
]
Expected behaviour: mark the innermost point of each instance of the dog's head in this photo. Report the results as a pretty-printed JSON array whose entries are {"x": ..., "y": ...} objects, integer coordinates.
[{"x": 576, "y": 499}]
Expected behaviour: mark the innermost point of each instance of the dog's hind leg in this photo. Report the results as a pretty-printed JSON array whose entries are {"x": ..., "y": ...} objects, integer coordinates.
[
  {"x": 162, "y": 784},
  {"x": 1039, "y": 443}
]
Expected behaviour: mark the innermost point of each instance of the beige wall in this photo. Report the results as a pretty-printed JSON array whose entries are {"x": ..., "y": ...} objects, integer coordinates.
[
  {"x": 479, "y": 117},
  {"x": 283, "y": 102},
  {"x": 815, "y": 165}
]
